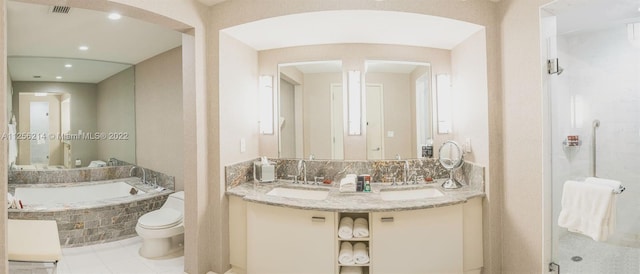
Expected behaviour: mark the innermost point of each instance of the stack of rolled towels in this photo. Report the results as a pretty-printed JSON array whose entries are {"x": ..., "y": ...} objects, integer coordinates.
[
  {"x": 350, "y": 228},
  {"x": 348, "y": 183},
  {"x": 353, "y": 253}
]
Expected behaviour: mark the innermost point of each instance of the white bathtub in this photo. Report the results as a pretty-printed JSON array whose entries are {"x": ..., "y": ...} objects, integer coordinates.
[{"x": 73, "y": 194}]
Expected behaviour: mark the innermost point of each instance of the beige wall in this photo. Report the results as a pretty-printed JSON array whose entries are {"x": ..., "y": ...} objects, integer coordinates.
[
  {"x": 83, "y": 114},
  {"x": 158, "y": 117},
  {"x": 522, "y": 107},
  {"x": 469, "y": 88},
  {"x": 239, "y": 92},
  {"x": 116, "y": 114}
]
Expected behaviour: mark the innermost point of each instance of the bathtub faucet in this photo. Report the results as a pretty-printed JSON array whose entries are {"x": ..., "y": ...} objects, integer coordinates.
[{"x": 144, "y": 175}]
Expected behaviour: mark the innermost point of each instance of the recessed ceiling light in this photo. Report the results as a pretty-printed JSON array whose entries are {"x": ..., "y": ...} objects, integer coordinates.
[
  {"x": 58, "y": 77},
  {"x": 83, "y": 48},
  {"x": 115, "y": 16},
  {"x": 68, "y": 65}
]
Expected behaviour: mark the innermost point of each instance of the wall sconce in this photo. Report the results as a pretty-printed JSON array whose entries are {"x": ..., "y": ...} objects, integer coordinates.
[
  {"x": 354, "y": 102},
  {"x": 266, "y": 104},
  {"x": 444, "y": 101}
]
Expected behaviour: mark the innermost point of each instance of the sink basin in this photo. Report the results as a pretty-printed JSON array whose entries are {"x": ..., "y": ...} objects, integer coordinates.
[
  {"x": 410, "y": 194},
  {"x": 299, "y": 193}
]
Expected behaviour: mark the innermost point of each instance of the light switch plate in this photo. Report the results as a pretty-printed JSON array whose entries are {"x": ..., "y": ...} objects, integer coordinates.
[
  {"x": 467, "y": 145},
  {"x": 390, "y": 133},
  {"x": 243, "y": 145}
]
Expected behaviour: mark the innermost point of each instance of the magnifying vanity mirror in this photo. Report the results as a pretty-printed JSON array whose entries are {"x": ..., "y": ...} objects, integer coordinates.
[
  {"x": 396, "y": 111},
  {"x": 451, "y": 157}
]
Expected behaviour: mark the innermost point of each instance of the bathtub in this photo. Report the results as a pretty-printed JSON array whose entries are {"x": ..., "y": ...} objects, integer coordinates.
[
  {"x": 51, "y": 196},
  {"x": 89, "y": 212}
]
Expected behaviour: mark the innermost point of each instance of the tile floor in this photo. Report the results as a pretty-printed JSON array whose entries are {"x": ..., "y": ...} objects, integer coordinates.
[
  {"x": 120, "y": 257},
  {"x": 597, "y": 257}
]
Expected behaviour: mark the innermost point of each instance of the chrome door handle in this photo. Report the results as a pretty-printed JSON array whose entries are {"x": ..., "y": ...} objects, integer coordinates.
[
  {"x": 376, "y": 149},
  {"x": 386, "y": 219}
]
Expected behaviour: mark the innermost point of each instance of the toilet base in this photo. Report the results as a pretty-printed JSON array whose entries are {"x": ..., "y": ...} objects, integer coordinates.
[{"x": 158, "y": 248}]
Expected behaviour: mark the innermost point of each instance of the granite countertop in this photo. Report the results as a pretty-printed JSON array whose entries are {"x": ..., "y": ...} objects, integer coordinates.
[{"x": 355, "y": 201}]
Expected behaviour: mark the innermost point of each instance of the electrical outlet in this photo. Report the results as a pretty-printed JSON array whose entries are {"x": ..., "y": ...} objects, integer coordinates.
[{"x": 243, "y": 145}]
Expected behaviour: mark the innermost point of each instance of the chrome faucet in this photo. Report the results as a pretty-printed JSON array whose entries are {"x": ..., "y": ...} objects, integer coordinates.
[
  {"x": 304, "y": 172},
  {"x": 144, "y": 174},
  {"x": 405, "y": 178}
]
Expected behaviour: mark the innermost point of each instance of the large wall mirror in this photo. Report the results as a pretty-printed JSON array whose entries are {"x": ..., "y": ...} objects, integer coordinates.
[
  {"x": 72, "y": 82},
  {"x": 396, "y": 110}
]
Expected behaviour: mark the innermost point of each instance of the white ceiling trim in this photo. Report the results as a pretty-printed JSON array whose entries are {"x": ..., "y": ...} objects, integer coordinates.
[{"x": 353, "y": 26}]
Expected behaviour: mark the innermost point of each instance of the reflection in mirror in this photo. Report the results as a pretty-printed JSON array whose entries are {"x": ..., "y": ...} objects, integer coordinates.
[
  {"x": 396, "y": 127},
  {"x": 72, "y": 98},
  {"x": 311, "y": 110}
]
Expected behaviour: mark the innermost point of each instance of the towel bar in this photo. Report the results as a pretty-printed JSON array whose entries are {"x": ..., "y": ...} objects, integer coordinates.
[{"x": 619, "y": 190}]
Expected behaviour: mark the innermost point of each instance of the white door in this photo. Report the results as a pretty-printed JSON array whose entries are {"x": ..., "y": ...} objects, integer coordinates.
[
  {"x": 39, "y": 128},
  {"x": 375, "y": 123},
  {"x": 337, "y": 124}
]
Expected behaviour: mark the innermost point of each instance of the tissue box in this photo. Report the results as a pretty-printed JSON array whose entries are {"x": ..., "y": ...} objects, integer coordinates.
[{"x": 264, "y": 173}]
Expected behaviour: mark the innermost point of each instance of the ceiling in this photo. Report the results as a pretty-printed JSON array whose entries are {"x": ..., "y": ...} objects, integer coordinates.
[
  {"x": 34, "y": 31},
  {"x": 353, "y": 26},
  {"x": 576, "y": 15}
]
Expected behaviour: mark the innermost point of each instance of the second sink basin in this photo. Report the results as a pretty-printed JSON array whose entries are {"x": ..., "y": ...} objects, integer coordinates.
[
  {"x": 410, "y": 194},
  {"x": 299, "y": 193}
]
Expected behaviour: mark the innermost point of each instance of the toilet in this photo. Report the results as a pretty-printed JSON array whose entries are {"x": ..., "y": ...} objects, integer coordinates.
[{"x": 162, "y": 230}]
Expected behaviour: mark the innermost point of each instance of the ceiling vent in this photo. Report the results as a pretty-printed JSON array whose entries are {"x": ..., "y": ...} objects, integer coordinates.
[{"x": 60, "y": 9}]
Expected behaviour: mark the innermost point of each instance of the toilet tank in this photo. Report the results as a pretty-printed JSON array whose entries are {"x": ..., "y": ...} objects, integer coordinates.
[{"x": 175, "y": 201}]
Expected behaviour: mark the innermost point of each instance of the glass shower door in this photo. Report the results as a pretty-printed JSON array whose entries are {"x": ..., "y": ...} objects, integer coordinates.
[{"x": 595, "y": 129}]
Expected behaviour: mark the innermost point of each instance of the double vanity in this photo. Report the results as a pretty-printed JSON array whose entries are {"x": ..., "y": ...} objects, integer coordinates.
[{"x": 282, "y": 227}]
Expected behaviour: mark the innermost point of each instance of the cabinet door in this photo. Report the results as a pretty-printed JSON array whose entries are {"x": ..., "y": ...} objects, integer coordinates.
[
  {"x": 417, "y": 241},
  {"x": 284, "y": 240}
]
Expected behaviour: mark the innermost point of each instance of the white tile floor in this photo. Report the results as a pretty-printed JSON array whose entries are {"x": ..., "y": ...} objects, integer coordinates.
[{"x": 120, "y": 257}]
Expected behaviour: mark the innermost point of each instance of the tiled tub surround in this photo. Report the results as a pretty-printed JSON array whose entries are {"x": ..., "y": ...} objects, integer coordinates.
[
  {"x": 381, "y": 170},
  {"x": 92, "y": 222},
  {"x": 65, "y": 176}
]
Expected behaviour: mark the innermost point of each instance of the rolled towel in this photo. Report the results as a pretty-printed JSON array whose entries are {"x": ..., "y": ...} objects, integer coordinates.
[
  {"x": 345, "y": 228},
  {"x": 346, "y": 253},
  {"x": 10, "y": 200},
  {"x": 360, "y": 253},
  {"x": 348, "y": 184},
  {"x": 360, "y": 228},
  {"x": 351, "y": 270}
]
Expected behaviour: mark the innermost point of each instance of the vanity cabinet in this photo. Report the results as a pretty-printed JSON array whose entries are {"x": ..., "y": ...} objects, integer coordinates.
[
  {"x": 418, "y": 241},
  {"x": 275, "y": 239},
  {"x": 285, "y": 240}
]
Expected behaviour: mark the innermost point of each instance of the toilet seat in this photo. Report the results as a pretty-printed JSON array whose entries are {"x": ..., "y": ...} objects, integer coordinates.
[{"x": 160, "y": 219}]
